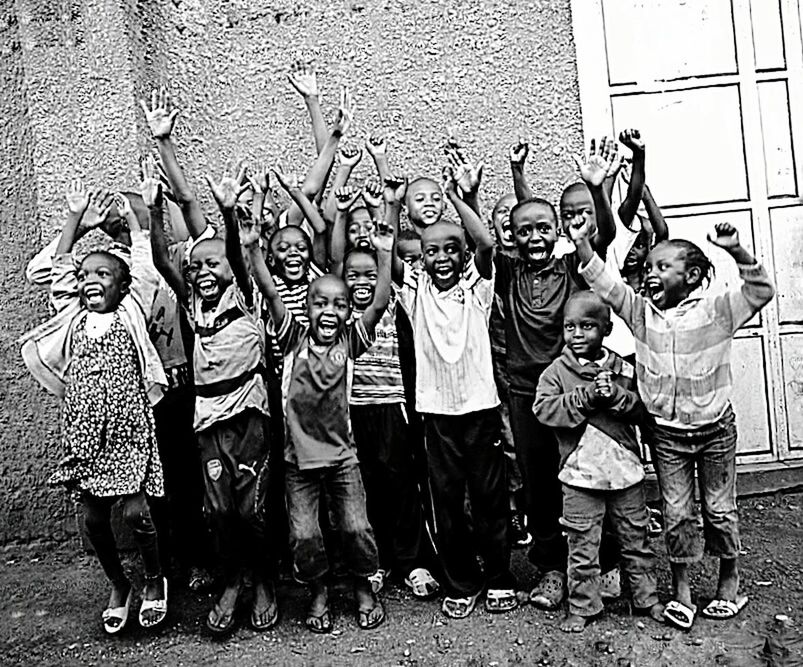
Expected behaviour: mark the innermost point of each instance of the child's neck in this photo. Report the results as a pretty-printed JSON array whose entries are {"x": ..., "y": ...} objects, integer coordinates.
[{"x": 594, "y": 355}]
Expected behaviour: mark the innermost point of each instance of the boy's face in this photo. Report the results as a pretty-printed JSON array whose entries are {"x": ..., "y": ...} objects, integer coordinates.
[
  {"x": 586, "y": 322},
  {"x": 101, "y": 285},
  {"x": 424, "y": 202},
  {"x": 444, "y": 248},
  {"x": 360, "y": 228},
  {"x": 577, "y": 206},
  {"x": 360, "y": 275},
  {"x": 209, "y": 272},
  {"x": 328, "y": 308},
  {"x": 536, "y": 232},
  {"x": 409, "y": 250},
  {"x": 666, "y": 280},
  {"x": 289, "y": 254},
  {"x": 637, "y": 255},
  {"x": 501, "y": 221}
]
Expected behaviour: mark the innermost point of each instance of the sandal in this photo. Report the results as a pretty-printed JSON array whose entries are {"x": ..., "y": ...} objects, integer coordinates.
[
  {"x": 459, "y": 607},
  {"x": 115, "y": 618},
  {"x": 499, "y": 600},
  {"x": 550, "y": 591},
  {"x": 422, "y": 584},
  {"x": 722, "y": 610},
  {"x": 320, "y": 624},
  {"x": 159, "y": 606},
  {"x": 368, "y": 619},
  {"x": 265, "y": 619},
  {"x": 199, "y": 579},
  {"x": 678, "y": 614},
  {"x": 220, "y": 623},
  {"x": 378, "y": 580}
]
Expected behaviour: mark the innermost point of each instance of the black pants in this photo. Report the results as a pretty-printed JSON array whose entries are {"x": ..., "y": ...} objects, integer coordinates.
[
  {"x": 464, "y": 453},
  {"x": 393, "y": 498},
  {"x": 178, "y": 516},
  {"x": 539, "y": 462},
  {"x": 137, "y": 516},
  {"x": 235, "y": 459}
]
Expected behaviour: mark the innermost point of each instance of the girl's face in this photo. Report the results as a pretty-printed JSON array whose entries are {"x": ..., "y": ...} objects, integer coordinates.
[
  {"x": 290, "y": 254},
  {"x": 501, "y": 220},
  {"x": 637, "y": 255},
  {"x": 101, "y": 283},
  {"x": 667, "y": 281},
  {"x": 360, "y": 228}
]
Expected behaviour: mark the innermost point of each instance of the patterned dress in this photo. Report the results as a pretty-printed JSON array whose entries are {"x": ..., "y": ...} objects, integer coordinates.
[{"x": 107, "y": 421}]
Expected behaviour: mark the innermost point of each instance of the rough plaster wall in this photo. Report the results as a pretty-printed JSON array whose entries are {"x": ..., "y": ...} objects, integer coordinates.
[{"x": 73, "y": 70}]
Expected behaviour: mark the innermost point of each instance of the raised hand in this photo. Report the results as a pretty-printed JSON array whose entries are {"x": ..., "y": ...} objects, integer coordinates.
[
  {"x": 350, "y": 156},
  {"x": 345, "y": 198},
  {"x": 249, "y": 232},
  {"x": 288, "y": 180},
  {"x": 519, "y": 152},
  {"x": 632, "y": 140},
  {"x": 449, "y": 182},
  {"x": 123, "y": 205},
  {"x": 303, "y": 78},
  {"x": 376, "y": 144},
  {"x": 395, "y": 188},
  {"x": 382, "y": 237},
  {"x": 161, "y": 118},
  {"x": 151, "y": 186},
  {"x": 259, "y": 178},
  {"x": 372, "y": 193},
  {"x": 725, "y": 236},
  {"x": 228, "y": 189},
  {"x": 345, "y": 112},
  {"x": 581, "y": 232},
  {"x": 601, "y": 161},
  {"x": 77, "y": 197},
  {"x": 95, "y": 214}
]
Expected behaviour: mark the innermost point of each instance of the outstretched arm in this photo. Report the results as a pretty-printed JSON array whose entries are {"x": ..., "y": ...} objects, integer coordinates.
[
  {"x": 660, "y": 229},
  {"x": 395, "y": 189},
  {"x": 635, "y": 189},
  {"x": 383, "y": 241},
  {"x": 88, "y": 210},
  {"x": 350, "y": 157},
  {"x": 377, "y": 147},
  {"x": 593, "y": 170},
  {"x": 303, "y": 78},
  {"x": 249, "y": 238},
  {"x": 467, "y": 174},
  {"x": 345, "y": 198},
  {"x": 479, "y": 233},
  {"x": 518, "y": 155},
  {"x": 310, "y": 211}
]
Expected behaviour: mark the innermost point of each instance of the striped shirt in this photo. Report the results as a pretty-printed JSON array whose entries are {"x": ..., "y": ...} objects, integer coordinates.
[
  {"x": 377, "y": 372},
  {"x": 454, "y": 373},
  {"x": 683, "y": 358}
]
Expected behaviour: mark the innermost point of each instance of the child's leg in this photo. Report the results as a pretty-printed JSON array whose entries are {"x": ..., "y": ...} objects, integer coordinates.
[
  {"x": 97, "y": 523},
  {"x": 583, "y": 513},
  {"x": 717, "y": 476},
  {"x": 303, "y": 492},
  {"x": 444, "y": 443},
  {"x": 630, "y": 519}
]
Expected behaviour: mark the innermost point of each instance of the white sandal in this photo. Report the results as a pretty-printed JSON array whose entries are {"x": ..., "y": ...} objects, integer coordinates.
[
  {"x": 159, "y": 606},
  {"x": 422, "y": 584},
  {"x": 119, "y": 614}
]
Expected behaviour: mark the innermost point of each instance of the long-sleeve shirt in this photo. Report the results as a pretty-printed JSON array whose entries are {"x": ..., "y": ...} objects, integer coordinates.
[{"x": 683, "y": 358}]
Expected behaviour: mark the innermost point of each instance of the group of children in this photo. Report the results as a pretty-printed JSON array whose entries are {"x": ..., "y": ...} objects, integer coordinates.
[{"x": 382, "y": 384}]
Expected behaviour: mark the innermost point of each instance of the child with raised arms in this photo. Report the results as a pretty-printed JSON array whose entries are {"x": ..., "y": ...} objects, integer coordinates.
[{"x": 683, "y": 350}]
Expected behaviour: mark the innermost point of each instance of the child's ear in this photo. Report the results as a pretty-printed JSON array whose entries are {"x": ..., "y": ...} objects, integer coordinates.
[
  {"x": 694, "y": 277},
  {"x": 125, "y": 286},
  {"x": 608, "y": 328}
]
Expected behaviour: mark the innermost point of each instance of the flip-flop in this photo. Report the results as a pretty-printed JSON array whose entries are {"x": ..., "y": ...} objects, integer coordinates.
[
  {"x": 266, "y": 619},
  {"x": 459, "y": 607},
  {"x": 368, "y": 619},
  {"x": 159, "y": 606},
  {"x": 320, "y": 624},
  {"x": 678, "y": 614},
  {"x": 115, "y": 618},
  {"x": 216, "y": 628},
  {"x": 500, "y": 600},
  {"x": 720, "y": 609}
]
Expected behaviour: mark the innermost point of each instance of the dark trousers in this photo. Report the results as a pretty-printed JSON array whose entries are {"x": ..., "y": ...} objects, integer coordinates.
[
  {"x": 236, "y": 465},
  {"x": 393, "y": 499},
  {"x": 539, "y": 462},
  {"x": 179, "y": 516},
  {"x": 464, "y": 453},
  {"x": 137, "y": 517}
]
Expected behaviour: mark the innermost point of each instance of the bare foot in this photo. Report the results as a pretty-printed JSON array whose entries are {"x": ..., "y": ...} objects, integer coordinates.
[
  {"x": 656, "y": 613},
  {"x": 264, "y": 611},
  {"x": 573, "y": 623}
]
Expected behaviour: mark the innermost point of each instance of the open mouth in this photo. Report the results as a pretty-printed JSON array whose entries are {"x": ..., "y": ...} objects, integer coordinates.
[
  {"x": 363, "y": 242},
  {"x": 537, "y": 253},
  {"x": 654, "y": 290},
  {"x": 207, "y": 287},
  {"x": 93, "y": 295},
  {"x": 429, "y": 214},
  {"x": 444, "y": 273},
  {"x": 327, "y": 326},
  {"x": 362, "y": 294}
]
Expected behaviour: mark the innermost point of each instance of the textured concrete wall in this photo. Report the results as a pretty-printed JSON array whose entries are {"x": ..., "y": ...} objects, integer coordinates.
[{"x": 71, "y": 72}]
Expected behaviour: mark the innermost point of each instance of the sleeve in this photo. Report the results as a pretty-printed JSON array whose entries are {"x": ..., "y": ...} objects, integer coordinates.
[
  {"x": 614, "y": 292},
  {"x": 145, "y": 278},
  {"x": 734, "y": 309},
  {"x": 290, "y": 331},
  {"x": 409, "y": 288},
  {"x": 481, "y": 288},
  {"x": 556, "y": 407},
  {"x": 38, "y": 270},
  {"x": 503, "y": 266},
  {"x": 359, "y": 340},
  {"x": 63, "y": 283},
  {"x": 255, "y": 310},
  {"x": 572, "y": 263}
]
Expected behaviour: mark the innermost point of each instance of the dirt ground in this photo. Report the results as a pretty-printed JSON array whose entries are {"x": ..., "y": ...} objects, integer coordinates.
[{"x": 51, "y": 601}]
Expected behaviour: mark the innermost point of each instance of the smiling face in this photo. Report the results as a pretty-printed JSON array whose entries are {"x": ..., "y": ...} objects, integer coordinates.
[
  {"x": 577, "y": 206},
  {"x": 637, "y": 255},
  {"x": 328, "y": 308},
  {"x": 535, "y": 231},
  {"x": 424, "y": 202},
  {"x": 586, "y": 322},
  {"x": 360, "y": 274},
  {"x": 444, "y": 248},
  {"x": 409, "y": 250},
  {"x": 360, "y": 228},
  {"x": 501, "y": 220},
  {"x": 209, "y": 273},
  {"x": 102, "y": 282},
  {"x": 290, "y": 254},
  {"x": 667, "y": 280}
]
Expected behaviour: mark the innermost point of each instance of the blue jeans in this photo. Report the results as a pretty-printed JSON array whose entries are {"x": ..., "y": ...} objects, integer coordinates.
[
  {"x": 712, "y": 450},
  {"x": 345, "y": 498}
]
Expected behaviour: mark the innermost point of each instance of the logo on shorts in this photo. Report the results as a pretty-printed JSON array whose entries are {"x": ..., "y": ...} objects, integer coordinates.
[{"x": 214, "y": 469}]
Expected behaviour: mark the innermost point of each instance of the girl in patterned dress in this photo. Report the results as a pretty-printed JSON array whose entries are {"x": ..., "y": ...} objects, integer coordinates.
[{"x": 95, "y": 354}]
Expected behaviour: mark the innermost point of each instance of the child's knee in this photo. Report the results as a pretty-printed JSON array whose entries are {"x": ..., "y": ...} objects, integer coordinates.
[{"x": 137, "y": 515}]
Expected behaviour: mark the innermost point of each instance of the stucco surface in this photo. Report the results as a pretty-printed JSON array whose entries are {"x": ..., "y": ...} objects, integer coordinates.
[{"x": 71, "y": 74}]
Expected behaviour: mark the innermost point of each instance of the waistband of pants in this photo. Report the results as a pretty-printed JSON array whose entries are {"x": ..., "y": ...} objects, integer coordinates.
[{"x": 223, "y": 387}]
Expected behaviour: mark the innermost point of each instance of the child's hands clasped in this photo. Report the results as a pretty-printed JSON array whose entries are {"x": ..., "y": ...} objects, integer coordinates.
[
  {"x": 603, "y": 386},
  {"x": 600, "y": 162}
]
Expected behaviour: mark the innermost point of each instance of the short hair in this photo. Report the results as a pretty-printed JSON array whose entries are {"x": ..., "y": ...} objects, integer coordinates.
[
  {"x": 350, "y": 213},
  {"x": 122, "y": 265},
  {"x": 408, "y": 235},
  {"x": 276, "y": 232},
  {"x": 577, "y": 185},
  {"x": 533, "y": 201},
  {"x": 693, "y": 256},
  {"x": 588, "y": 295},
  {"x": 357, "y": 250}
]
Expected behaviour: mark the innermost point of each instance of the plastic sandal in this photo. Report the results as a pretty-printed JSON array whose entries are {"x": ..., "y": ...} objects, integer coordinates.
[
  {"x": 721, "y": 610},
  {"x": 550, "y": 591},
  {"x": 422, "y": 584},
  {"x": 159, "y": 606},
  {"x": 459, "y": 607},
  {"x": 500, "y": 600},
  {"x": 115, "y": 618},
  {"x": 678, "y": 614},
  {"x": 320, "y": 624},
  {"x": 378, "y": 579}
]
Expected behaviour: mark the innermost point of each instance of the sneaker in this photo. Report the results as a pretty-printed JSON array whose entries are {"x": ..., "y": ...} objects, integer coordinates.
[
  {"x": 378, "y": 579},
  {"x": 610, "y": 584},
  {"x": 519, "y": 537},
  {"x": 422, "y": 584}
]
